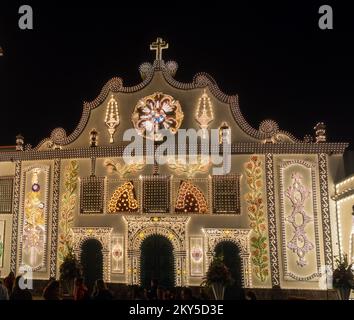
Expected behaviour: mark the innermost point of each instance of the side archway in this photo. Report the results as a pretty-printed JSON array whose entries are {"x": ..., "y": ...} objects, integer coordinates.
[
  {"x": 102, "y": 235},
  {"x": 239, "y": 237}
]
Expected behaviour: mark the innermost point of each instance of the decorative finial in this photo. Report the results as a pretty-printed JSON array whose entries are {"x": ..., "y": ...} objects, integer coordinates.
[
  {"x": 320, "y": 131},
  {"x": 93, "y": 137},
  {"x": 158, "y": 46},
  {"x": 204, "y": 113},
  {"x": 19, "y": 142},
  {"x": 112, "y": 117}
]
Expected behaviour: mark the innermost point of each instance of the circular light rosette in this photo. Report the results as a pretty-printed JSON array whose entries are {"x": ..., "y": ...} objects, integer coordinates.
[{"x": 157, "y": 112}]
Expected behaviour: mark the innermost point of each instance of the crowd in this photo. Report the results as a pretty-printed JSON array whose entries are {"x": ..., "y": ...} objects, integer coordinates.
[{"x": 11, "y": 289}]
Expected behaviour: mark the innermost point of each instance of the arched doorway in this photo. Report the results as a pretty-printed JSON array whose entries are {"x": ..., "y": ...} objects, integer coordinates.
[
  {"x": 91, "y": 261},
  {"x": 157, "y": 261},
  {"x": 232, "y": 260}
]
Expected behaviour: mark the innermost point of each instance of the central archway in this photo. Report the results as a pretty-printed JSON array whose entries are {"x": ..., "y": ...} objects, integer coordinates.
[
  {"x": 92, "y": 261},
  {"x": 231, "y": 257},
  {"x": 157, "y": 261}
]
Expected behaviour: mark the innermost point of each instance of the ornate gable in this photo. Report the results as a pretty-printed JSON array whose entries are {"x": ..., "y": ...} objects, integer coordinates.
[{"x": 161, "y": 101}]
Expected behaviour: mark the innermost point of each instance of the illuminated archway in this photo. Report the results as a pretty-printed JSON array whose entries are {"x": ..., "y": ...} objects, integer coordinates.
[{"x": 139, "y": 228}]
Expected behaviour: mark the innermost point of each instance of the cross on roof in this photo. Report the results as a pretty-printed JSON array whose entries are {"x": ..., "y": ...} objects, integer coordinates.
[{"x": 158, "y": 46}]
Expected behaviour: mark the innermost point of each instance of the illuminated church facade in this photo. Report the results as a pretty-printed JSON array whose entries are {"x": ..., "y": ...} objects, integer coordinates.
[{"x": 281, "y": 205}]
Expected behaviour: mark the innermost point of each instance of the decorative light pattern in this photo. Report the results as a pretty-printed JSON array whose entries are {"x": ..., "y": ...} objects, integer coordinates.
[
  {"x": 189, "y": 169},
  {"x": 123, "y": 199},
  {"x": 190, "y": 199},
  {"x": 34, "y": 219},
  {"x": 112, "y": 117},
  {"x": 122, "y": 170},
  {"x": 204, "y": 112},
  {"x": 156, "y": 194},
  {"x": 297, "y": 193},
  {"x": 290, "y": 185},
  {"x": 196, "y": 256},
  {"x": 320, "y": 131},
  {"x": 256, "y": 214},
  {"x": 226, "y": 193},
  {"x": 2, "y": 237},
  {"x": 117, "y": 254},
  {"x": 155, "y": 112},
  {"x": 68, "y": 205},
  {"x": 92, "y": 194},
  {"x": 6, "y": 190}
]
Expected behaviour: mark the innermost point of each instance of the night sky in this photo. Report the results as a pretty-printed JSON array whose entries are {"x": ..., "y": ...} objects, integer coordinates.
[{"x": 274, "y": 57}]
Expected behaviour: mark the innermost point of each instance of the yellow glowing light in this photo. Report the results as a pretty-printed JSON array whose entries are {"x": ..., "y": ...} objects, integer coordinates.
[{"x": 123, "y": 199}]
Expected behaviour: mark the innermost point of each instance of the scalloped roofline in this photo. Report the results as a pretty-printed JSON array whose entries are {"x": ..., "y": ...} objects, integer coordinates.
[{"x": 168, "y": 69}]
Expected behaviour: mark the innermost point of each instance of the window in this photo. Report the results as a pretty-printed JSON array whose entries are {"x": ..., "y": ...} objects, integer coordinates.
[
  {"x": 91, "y": 195},
  {"x": 6, "y": 189},
  {"x": 226, "y": 194},
  {"x": 156, "y": 194}
]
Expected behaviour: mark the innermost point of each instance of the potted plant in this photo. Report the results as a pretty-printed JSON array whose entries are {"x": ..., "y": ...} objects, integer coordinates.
[
  {"x": 343, "y": 277},
  {"x": 218, "y": 277},
  {"x": 69, "y": 270}
]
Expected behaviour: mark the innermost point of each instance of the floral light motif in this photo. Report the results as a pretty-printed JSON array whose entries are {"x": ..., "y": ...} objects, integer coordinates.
[
  {"x": 197, "y": 254},
  {"x": 255, "y": 208},
  {"x": 156, "y": 112},
  {"x": 297, "y": 193},
  {"x": 68, "y": 201},
  {"x": 124, "y": 169},
  {"x": 204, "y": 113},
  {"x": 190, "y": 199},
  {"x": 123, "y": 199},
  {"x": 34, "y": 229},
  {"x": 112, "y": 117},
  {"x": 189, "y": 169}
]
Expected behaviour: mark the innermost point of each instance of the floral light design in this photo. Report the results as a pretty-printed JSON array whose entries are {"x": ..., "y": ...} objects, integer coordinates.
[
  {"x": 297, "y": 193},
  {"x": 255, "y": 208},
  {"x": 69, "y": 198},
  {"x": 156, "y": 112},
  {"x": 34, "y": 230},
  {"x": 123, "y": 199},
  {"x": 190, "y": 199}
]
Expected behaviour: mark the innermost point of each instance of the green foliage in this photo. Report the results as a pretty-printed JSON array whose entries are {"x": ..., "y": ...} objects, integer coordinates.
[
  {"x": 218, "y": 272},
  {"x": 343, "y": 275},
  {"x": 256, "y": 215},
  {"x": 70, "y": 268}
]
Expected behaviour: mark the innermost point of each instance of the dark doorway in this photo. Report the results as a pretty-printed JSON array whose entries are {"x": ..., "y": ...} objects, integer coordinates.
[
  {"x": 231, "y": 254},
  {"x": 92, "y": 262},
  {"x": 157, "y": 261}
]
